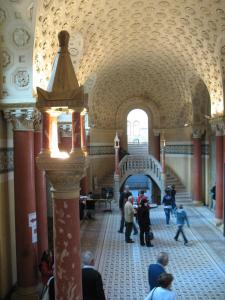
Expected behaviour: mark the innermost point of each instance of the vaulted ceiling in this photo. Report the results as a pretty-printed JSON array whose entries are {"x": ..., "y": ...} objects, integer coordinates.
[{"x": 169, "y": 54}]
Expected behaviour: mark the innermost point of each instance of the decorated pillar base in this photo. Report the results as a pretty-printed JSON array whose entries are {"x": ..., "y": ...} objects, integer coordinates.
[{"x": 30, "y": 293}]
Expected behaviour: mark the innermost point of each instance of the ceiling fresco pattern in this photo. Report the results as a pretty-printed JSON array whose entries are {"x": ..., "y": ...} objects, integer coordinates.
[{"x": 122, "y": 50}]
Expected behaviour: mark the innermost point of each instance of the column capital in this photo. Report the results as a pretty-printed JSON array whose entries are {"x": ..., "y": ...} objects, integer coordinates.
[
  {"x": 156, "y": 132},
  {"x": 197, "y": 132},
  {"x": 218, "y": 125},
  {"x": 21, "y": 119},
  {"x": 64, "y": 174},
  {"x": 65, "y": 129}
]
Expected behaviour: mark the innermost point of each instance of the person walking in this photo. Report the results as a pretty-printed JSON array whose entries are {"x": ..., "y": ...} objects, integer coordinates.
[
  {"x": 129, "y": 219},
  {"x": 173, "y": 195},
  {"x": 213, "y": 198},
  {"x": 144, "y": 223},
  {"x": 154, "y": 270},
  {"x": 181, "y": 219},
  {"x": 163, "y": 291},
  {"x": 91, "y": 279},
  {"x": 167, "y": 202}
]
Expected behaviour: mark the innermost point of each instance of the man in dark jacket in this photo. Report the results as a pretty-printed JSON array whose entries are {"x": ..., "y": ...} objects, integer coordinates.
[
  {"x": 167, "y": 202},
  {"x": 154, "y": 270},
  {"x": 91, "y": 279},
  {"x": 144, "y": 223}
]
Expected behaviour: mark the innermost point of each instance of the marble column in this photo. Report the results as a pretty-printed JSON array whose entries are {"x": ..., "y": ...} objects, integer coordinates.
[
  {"x": 218, "y": 126},
  {"x": 25, "y": 205},
  {"x": 45, "y": 132},
  {"x": 219, "y": 177},
  {"x": 157, "y": 144},
  {"x": 65, "y": 137},
  {"x": 76, "y": 132},
  {"x": 66, "y": 224},
  {"x": 84, "y": 180},
  {"x": 40, "y": 190},
  {"x": 197, "y": 166},
  {"x": 65, "y": 176}
]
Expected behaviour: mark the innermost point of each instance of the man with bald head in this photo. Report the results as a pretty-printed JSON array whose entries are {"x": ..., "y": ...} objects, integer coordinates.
[
  {"x": 91, "y": 279},
  {"x": 154, "y": 270}
]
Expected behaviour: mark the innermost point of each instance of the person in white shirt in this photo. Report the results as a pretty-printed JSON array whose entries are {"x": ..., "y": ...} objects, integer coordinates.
[
  {"x": 129, "y": 219},
  {"x": 163, "y": 291}
]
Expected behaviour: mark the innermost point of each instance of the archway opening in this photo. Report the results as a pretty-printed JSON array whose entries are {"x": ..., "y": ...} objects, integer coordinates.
[{"x": 137, "y": 132}]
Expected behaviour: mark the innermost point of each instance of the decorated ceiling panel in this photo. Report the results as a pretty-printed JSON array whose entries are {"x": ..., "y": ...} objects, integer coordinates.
[{"x": 128, "y": 49}]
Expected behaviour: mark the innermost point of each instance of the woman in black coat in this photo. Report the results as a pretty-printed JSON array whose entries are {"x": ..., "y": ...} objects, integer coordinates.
[{"x": 144, "y": 223}]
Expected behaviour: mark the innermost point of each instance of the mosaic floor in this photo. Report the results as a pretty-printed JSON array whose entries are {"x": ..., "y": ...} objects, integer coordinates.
[{"x": 198, "y": 269}]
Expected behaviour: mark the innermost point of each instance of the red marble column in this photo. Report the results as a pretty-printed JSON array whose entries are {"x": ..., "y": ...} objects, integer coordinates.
[
  {"x": 157, "y": 146},
  {"x": 84, "y": 180},
  {"x": 163, "y": 159},
  {"x": 83, "y": 133},
  {"x": 67, "y": 247},
  {"x": 41, "y": 200},
  {"x": 219, "y": 177},
  {"x": 25, "y": 209},
  {"x": 117, "y": 169},
  {"x": 65, "y": 143},
  {"x": 76, "y": 132},
  {"x": 46, "y": 132},
  {"x": 197, "y": 171}
]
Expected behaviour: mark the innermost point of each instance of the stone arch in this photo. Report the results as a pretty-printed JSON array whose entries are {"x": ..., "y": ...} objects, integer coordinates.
[{"x": 136, "y": 103}]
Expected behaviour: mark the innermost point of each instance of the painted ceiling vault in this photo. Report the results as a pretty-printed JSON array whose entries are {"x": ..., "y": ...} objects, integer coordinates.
[{"x": 170, "y": 54}]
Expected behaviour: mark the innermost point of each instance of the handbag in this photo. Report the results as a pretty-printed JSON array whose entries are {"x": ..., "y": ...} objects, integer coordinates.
[{"x": 151, "y": 235}]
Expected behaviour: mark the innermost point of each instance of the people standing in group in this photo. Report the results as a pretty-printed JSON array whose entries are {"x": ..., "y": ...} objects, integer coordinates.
[
  {"x": 144, "y": 223},
  {"x": 181, "y": 216},
  {"x": 123, "y": 198},
  {"x": 155, "y": 270},
  {"x": 163, "y": 291},
  {"x": 213, "y": 198},
  {"x": 173, "y": 195},
  {"x": 129, "y": 219},
  {"x": 91, "y": 279},
  {"x": 167, "y": 202}
]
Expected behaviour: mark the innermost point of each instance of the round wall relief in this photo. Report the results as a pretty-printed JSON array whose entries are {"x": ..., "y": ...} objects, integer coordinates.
[
  {"x": 21, "y": 79},
  {"x": 21, "y": 37}
]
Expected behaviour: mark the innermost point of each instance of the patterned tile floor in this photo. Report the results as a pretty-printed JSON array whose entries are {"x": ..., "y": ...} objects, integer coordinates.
[{"x": 199, "y": 269}]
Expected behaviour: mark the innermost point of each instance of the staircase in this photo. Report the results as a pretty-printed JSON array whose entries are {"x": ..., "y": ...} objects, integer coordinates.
[
  {"x": 182, "y": 196},
  {"x": 138, "y": 149}
]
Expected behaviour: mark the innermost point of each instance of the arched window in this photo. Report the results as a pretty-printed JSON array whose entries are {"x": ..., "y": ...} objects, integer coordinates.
[{"x": 137, "y": 130}]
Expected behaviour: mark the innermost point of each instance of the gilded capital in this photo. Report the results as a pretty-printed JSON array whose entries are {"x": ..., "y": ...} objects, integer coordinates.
[{"x": 21, "y": 119}]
